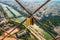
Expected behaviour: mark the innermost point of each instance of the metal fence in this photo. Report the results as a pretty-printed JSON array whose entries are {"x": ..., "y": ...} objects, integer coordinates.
[{"x": 31, "y": 15}]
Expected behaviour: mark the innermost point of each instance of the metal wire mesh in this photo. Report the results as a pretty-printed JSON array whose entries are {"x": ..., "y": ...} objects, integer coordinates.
[{"x": 31, "y": 15}]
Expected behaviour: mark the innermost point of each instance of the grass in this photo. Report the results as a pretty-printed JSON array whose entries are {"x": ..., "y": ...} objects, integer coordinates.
[{"x": 1, "y": 32}]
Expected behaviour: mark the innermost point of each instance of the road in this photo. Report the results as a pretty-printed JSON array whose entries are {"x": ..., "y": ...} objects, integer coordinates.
[
  {"x": 34, "y": 31},
  {"x": 8, "y": 31}
]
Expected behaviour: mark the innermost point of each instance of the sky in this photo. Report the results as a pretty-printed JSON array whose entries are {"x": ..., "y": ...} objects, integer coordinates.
[
  {"x": 29, "y": 0},
  {"x": 39, "y": 0},
  {"x": 55, "y": 0},
  {"x": 36, "y": 0}
]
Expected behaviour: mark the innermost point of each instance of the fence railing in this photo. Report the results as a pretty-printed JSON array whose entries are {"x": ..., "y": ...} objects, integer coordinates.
[{"x": 31, "y": 15}]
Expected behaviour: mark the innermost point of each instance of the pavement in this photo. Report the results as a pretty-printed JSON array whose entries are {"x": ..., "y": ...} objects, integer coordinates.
[{"x": 9, "y": 38}]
